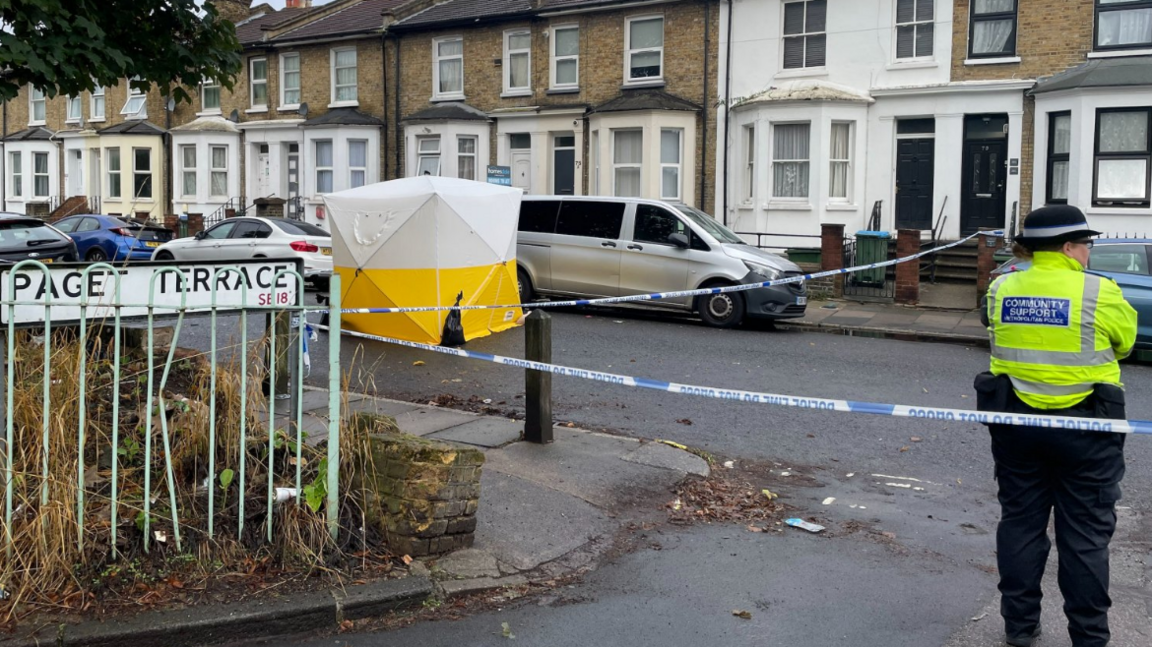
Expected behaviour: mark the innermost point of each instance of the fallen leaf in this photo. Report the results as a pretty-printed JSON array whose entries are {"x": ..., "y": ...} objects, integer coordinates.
[
  {"x": 685, "y": 421},
  {"x": 979, "y": 617},
  {"x": 406, "y": 559},
  {"x": 571, "y": 424},
  {"x": 925, "y": 389},
  {"x": 915, "y": 439},
  {"x": 729, "y": 464},
  {"x": 829, "y": 501},
  {"x": 770, "y": 494},
  {"x": 811, "y": 435},
  {"x": 161, "y": 536},
  {"x": 673, "y": 444},
  {"x": 418, "y": 363},
  {"x": 346, "y": 625},
  {"x": 755, "y": 529},
  {"x": 741, "y": 613},
  {"x": 676, "y": 505},
  {"x": 905, "y": 448},
  {"x": 506, "y": 631}
]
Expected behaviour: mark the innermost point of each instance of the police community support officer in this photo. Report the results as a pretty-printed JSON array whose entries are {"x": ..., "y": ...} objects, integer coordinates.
[{"x": 1057, "y": 333}]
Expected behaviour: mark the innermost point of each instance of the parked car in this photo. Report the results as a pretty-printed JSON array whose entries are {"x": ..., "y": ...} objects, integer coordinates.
[
  {"x": 23, "y": 237},
  {"x": 581, "y": 246},
  {"x": 108, "y": 238},
  {"x": 247, "y": 237},
  {"x": 1124, "y": 260}
]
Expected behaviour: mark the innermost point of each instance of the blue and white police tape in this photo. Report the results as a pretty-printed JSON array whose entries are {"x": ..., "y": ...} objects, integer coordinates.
[
  {"x": 671, "y": 295},
  {"x": 825, "y": 404}
]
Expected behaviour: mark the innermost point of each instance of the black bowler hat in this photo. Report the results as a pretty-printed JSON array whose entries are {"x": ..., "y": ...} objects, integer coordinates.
[{"x": 1054, "y": 225}]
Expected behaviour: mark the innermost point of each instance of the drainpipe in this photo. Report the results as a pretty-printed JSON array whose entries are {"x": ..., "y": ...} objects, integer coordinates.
[
  {"x": 704, "y": 130},
  {"x": 399, "y": 90},
  {"x": 167, "y": 159},
  {"x": 727, "y": 106},
  {"x": 4, "y": 163},
  {"x": 384, "y": 87}
]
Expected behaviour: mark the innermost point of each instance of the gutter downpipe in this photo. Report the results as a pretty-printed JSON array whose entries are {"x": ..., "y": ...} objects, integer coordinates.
[
  {"x": 702, "y": 201},
  {"x": 398, "y": 132},
  {"x": 167, "y": 161},
  {"x": 4, "y": 162},
  {"x": 727, "y": 106},
  {"x": 384, "y": 87}
]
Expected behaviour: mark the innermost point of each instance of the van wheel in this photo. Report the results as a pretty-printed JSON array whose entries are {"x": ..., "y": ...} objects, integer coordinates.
[
  {"x": 724, "y": 310},
  {"x": 524, "y": 285}
]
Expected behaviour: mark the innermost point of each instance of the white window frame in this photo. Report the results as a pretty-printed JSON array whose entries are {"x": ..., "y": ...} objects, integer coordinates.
[
  {"x": 847, "y": 197},
  {"x": 554, "y": 59},
  {"x": 16, "y": 174},
  {"x": 438, "y": 155},
  {"x": 252, "y": 83},
  {"x": 807, "y": 197},
  {"x": 115, "y": 184},
  {"x": 629, "y": 52},
  {"x": 596, "y": 162},
  {"x": 150, "y": 171},
  {"x": 805, "y": 35},
  {"x": 915, "y": 23},
  {"x": 205, "y": 85},
  {"x": 141, "y": 100},
  {"x": 285, "y": 104},
  {"x": 474, "y": 155},
  {"x": 97, "y": 97},
  {"x": 749, "y": 139},
  {"x": 636, "y": 165},
  {"x": 510, "y": 91},
  {"x": 324, "y": 169},
  {"x": 73, "y": 117},
  {"x": 47, "y": 175},
  {"x": 437, "y": 95},
  {"x": 215, "y": 170},
  {"x": 357, "y": 169},
  {"x": 33, "y": 93},
  {"x": 679, "y": 165},
  {"x": 185, "y": 170},
  {"x": 332, "y": 76}
]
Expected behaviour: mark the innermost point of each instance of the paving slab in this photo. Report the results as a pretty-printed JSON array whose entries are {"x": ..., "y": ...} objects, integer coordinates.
[
  {"x": 316, "y": 399},
  {"x": 382, "y": 406},
  {"x": 469, "y": 563},
  {"x": 670, "y": 458},
  {"x": 851, "y": 314},
  {"x": 463, "y": 587},
  {"x": 483, "y": 432},
  {"x": 525, "y": 524},
  {"x": 424, "y": 421}
]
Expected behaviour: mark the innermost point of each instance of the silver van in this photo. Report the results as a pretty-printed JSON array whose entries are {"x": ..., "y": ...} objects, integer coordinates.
[{"x": 586, "y": 246}]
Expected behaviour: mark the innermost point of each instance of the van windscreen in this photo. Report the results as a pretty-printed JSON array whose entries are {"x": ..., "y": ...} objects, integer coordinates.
[
  {"x": 590, "y": 218},
  {"x": 539, "y": 216}
]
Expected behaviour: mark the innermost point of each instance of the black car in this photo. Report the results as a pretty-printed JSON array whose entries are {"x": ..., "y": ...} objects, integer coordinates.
[{"x": 23, "y": 238}]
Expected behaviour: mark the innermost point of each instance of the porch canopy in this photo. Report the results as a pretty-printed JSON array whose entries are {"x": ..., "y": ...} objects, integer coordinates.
[{"x": 419, "y": 242}]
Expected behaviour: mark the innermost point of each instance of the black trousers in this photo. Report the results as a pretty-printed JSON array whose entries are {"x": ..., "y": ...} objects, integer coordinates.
[{"x": 1077, "y": 474}]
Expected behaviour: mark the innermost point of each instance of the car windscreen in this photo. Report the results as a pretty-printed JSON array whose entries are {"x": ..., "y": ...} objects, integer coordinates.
[
  {"x": 26, "y": 233},
  {"x": 299, "y": 228},
  {"x": 709, "y": 224}
]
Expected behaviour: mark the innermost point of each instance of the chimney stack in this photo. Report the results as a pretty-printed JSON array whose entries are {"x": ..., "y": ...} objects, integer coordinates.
[{"x": 297, "y": 4}]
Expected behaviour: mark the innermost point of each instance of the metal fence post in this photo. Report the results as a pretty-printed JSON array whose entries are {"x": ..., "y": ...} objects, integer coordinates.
[
  {"x": 538, "y": 384},
  {"x": 332, "y": 507}
]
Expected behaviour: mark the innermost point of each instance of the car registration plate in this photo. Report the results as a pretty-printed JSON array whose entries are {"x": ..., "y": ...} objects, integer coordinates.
[
  {"x": 151, "y": 243},
  {"x": 326, "y": 251},
  {"x": 801, "y": 301},
  {"x": 46, "y": 260}
]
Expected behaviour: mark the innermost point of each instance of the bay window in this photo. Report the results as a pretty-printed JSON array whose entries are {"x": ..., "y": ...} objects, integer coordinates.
[
  {"x": 790, "y": 160},
  {"x": 1059, "y": 150},
  {"x": 627, "y": 158},
  {"x": 670, "y": 156},
  {"x": 323, "y": 167},
  {"x": 1123, "y": 157}
]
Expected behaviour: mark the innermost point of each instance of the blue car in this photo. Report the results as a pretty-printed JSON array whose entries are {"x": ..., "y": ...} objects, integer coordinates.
[
  {"x": 1126, "y": 261},
  {"x": 108, "y": 238}
]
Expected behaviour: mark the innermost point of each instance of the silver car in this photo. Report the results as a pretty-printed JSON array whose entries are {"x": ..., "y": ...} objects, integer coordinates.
[{"x": 583, "y": 246}]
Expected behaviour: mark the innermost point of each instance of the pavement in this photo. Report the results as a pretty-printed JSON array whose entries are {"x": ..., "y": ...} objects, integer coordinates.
[{"x": 910, "y": 323}]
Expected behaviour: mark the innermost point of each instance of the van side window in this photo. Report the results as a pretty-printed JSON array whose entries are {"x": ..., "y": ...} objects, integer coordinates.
[
  {"x": 655, "y": 225},
  {"x": 590, "y": 219},
  {"x": 539, "y": 216}
]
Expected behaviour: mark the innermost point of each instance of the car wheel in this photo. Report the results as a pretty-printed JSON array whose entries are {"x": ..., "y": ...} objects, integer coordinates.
[
  {"x": 165, "y": 256},
  {"x": 724, "y": 310},
  {"x": 524, "y": 286},
  {"x": 96, "y": 255}
]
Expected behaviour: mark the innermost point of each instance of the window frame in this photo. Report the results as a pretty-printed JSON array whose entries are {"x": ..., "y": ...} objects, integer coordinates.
[
  {"x": 213, "y": 170},
  {"x": 595, "y": 143},
  {"x": 973, "y": 18},
  {"x": 629, "y": 51},
  {"x": 32, "y": 101},
  {"x": 205, "y": 85},
  {"x": 330, "y": 169},
  {"x": 749, "y": 177},
  {"x": 916, "y": 23},
  {"x": 332, "y": 71},
  {"x": 285, "y": 104},
  {"x": 1098, "y": 9},
  {"x": 137, "y": 171},
  {"x": 47, "y": 175},
  {"x": 141, "y": 111},
  {"x": 253, "y": 82},
  {"x": 70, "y": 102},
  {"x": 357, "y": 169},
  {"x": 679, "y": 165},
  {"x": 506, "y": 64},
  {"x": 847, "y": 198},
  {"x": 115, "y": 188},
  {"x": 438, "y": 155},
  {"x": 554, "y": 59},
  {"x": 1053, "y": 158},
  {"x": 805, "y": 35},
  {"x": 92, "y": 103},
  {"x": 474, "y": 155},
  {"x": 639, "y": 166},
  {"x": 16, "y": 174},
  {"x": 455, "y": 95},
  {"x": 186, "y": 171},
  {"x": 807, "y": 197},
  {"x": 1146, "y": 156}
]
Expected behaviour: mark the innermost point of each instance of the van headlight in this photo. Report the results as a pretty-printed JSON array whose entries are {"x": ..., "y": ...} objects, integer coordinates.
[{"x": 767, "y": 273}]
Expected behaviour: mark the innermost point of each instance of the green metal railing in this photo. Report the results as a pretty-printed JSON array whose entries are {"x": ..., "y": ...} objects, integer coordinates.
[{"x": 155, "y": 400}]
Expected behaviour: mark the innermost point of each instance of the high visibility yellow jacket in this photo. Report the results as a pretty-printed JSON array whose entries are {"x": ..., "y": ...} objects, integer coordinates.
[{"x": 1057, "y": 331}]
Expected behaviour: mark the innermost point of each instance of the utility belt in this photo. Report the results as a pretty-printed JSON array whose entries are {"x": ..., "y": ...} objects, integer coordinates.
[{"x": 995, "y": 393}]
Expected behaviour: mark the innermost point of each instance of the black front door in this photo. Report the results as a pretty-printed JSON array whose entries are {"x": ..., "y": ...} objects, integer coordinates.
[
  {"x": 564, "y": 171},
  {"x": 982, "y": 196},
  {"x": 915, "y": 165}
]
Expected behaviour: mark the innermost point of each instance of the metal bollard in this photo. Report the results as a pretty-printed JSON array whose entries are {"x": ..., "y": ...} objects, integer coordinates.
[{"x": 538, "y": 384}]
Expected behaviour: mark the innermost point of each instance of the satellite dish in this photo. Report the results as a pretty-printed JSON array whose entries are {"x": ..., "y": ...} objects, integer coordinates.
[
  {"x": 303, "y": 110},
  {"x": 171, "y": 105},
  {"x": 234, "y": 117}
]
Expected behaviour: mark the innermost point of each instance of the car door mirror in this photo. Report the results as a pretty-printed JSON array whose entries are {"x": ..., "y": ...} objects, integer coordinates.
[
  {"x": 679, "y": 240},
  {"x": 201, "y": 235}
]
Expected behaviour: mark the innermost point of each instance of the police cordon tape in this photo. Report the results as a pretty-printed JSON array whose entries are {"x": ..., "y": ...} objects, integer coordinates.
[
  {"x": 674, "y": 295},
  {"x": 801, "y": 402}
]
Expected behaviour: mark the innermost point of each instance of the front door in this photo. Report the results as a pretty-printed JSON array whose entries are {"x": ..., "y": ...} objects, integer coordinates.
[
  {"x": 982, "y": 198},
  {"x": 94, "y": 177},
  {"x": 564, "y": 165},
  {"x": 262, "y": 174},
  {"x": 915, "y": 166},
  {"x": 522, "y": 170},
  {"x": 75, "y": 185}
]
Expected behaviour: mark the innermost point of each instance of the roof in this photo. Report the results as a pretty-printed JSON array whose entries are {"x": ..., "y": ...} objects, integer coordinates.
[
  {"x": 1100, "y": 73},
  {"x": 453, "y": 111},
  {"x": 645, "y": 100},
  {"x": 207, "y": 125},
  {"x": 252, "y": 30},
  {"x": 35, "y": 133},
  {"x": 459, "y": 11},
  {"x": 133, "y": 127},
  {"x": 358, "y": 18},
  {"x": 343, "y": 117},
  {"x": 808, "y": 90}
]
